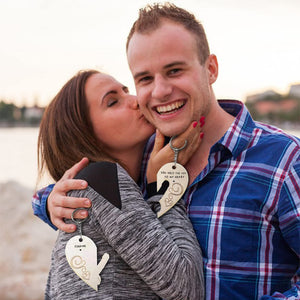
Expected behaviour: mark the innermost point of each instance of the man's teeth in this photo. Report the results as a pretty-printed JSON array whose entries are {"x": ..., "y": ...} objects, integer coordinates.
[{"x": 170, "y": 107}]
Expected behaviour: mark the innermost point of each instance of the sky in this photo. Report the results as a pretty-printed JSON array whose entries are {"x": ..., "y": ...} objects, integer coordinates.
[{"x": 43, "y": 43}]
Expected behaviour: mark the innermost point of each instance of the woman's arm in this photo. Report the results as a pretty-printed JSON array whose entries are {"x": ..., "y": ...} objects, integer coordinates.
[
  {"x": 163, "y": 252},
  {"x": 52, "y": 205},
  {"x": 39, "y": 204}
]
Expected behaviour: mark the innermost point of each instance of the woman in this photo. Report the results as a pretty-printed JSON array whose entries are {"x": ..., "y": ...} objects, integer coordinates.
[{"x": 94, "y": 116}]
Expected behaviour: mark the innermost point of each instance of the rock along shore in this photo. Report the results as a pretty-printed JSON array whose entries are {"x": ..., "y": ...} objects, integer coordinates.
[{"x": 26, "y": 245}]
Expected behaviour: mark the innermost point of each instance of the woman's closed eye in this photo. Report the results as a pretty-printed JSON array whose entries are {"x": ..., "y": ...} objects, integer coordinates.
[{"x": 112, "y": 102}]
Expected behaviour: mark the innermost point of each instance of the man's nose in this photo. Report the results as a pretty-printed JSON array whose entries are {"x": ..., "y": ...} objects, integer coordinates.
[{"x": 162, "y": 88}]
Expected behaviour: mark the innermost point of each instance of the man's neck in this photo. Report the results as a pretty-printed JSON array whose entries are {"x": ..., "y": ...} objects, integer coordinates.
[{"x": 217, "y": 123}]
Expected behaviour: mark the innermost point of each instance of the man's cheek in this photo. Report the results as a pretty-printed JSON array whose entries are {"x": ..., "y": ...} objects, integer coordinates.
[{"x": 141, "y": 101}]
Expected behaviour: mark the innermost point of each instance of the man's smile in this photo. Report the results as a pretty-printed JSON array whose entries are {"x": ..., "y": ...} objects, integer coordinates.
[{"x": 169, "y": 108}]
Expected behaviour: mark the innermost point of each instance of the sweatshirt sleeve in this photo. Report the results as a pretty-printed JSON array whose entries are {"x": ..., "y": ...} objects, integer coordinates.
[{"x": 164, "y": 252}]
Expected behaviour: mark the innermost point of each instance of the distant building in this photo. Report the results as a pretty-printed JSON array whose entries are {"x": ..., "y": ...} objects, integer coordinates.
[
  {"x": 295, "y": 90},
  {"x": 269, "y": 94},
  {"x": 34, "y": 112},
  {"x": 282, "y": 106},
  {"x": 272, "y": 106}
]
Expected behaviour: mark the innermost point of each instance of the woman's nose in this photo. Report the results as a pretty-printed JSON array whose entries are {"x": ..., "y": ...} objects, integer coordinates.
[{"x": 133, "y": 103}]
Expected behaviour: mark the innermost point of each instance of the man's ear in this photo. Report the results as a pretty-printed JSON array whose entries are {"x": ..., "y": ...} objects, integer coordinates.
[{"x": 213, "y": 68}]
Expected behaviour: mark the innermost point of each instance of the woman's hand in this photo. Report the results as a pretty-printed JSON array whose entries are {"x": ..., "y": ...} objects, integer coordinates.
[
  {"x": 60, "y": 206},
  {"x": 162, "y": 154}
]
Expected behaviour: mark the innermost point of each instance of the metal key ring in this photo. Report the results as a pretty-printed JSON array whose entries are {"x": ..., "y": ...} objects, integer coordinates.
[
  {"x": 78, "y": 221},
  {"x": 174, "y": 148}
]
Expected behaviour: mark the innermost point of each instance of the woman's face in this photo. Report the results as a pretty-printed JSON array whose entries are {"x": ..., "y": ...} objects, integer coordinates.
[{"x": 116, "y": 118}]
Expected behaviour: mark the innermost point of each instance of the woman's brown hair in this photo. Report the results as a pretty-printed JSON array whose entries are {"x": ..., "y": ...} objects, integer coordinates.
[{"x": 66, "y": 133}]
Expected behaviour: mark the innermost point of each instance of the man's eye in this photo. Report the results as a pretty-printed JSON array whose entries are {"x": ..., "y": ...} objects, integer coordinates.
[
  {"x": 145, "y": 79},
  {"x": 174, "y": 71},
  {"x": 111, "y": 102}
]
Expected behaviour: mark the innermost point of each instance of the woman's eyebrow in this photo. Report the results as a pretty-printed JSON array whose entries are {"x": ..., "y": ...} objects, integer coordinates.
[{"x": 113, "y": 92}]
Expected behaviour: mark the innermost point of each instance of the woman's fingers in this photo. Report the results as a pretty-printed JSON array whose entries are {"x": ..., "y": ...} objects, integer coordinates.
[{"x": 72, "y": 172}]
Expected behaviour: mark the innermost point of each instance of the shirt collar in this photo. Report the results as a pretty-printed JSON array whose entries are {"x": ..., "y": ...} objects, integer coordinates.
[{"x": 237, "y": 137}]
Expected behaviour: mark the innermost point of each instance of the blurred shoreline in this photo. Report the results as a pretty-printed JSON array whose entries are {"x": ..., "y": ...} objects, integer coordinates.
[{"x": 28, "y": 242}]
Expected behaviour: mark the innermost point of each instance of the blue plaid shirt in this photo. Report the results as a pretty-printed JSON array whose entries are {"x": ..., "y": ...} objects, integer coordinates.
[{"x": 245, "y": 209}]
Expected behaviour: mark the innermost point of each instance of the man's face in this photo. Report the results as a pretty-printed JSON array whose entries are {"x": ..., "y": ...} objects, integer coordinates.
[{"x": 173, "y": 88}]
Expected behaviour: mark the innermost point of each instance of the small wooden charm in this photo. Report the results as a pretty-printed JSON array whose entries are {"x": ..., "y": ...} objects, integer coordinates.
[
  {"x": 178, "y": 179},
  {"x": 81, "y": 254}
]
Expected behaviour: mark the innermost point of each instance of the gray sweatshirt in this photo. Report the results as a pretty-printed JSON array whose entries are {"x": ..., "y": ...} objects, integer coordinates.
[{"x": 150, "y": 258}]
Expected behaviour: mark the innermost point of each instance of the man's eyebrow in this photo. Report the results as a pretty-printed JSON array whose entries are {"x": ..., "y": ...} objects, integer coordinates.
[
  {"x": 173, "y": 64},
  {"x": 140, "y": 74}
]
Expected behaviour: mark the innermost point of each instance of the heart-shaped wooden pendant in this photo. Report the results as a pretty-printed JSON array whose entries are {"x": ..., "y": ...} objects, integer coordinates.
[
  {"x": 81, "y": 253},
  {"x": 178, "y": 179}
]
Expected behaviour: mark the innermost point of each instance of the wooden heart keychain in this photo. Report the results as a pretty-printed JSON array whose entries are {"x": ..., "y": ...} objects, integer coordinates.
[
  {"x": 81, "y": 254},
  {"x": 178, "y": 179}
]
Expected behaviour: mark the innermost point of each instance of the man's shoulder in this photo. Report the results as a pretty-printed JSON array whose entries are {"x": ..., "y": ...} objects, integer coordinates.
[
  {"x": 276, "y": 134},
  {"x": 276, "y": 144}
]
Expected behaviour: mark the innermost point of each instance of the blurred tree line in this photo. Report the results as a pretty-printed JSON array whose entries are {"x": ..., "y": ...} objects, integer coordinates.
[
  {"x": 12, "y": 115},
  {"x": 279, "y": 111},
  {"x": 278, "y": 115}
]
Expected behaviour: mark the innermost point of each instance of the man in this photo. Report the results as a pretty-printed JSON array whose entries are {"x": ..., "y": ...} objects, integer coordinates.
[{"x": 244, "y": 193}]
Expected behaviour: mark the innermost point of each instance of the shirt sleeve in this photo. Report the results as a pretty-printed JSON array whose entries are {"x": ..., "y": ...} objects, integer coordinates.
[
  {"x": 39, "y": 204},
  {"x": 291, "y": 294},
  {"x": 289, "y": 222},
  {"x": 289, "y": 208}
]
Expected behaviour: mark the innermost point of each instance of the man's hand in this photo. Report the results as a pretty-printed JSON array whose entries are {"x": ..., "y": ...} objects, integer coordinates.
[{"x": 60, "y": 206}]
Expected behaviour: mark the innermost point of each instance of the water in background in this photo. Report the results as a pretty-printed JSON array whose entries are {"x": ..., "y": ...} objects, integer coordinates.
[{"x": 18, "y": 155}]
